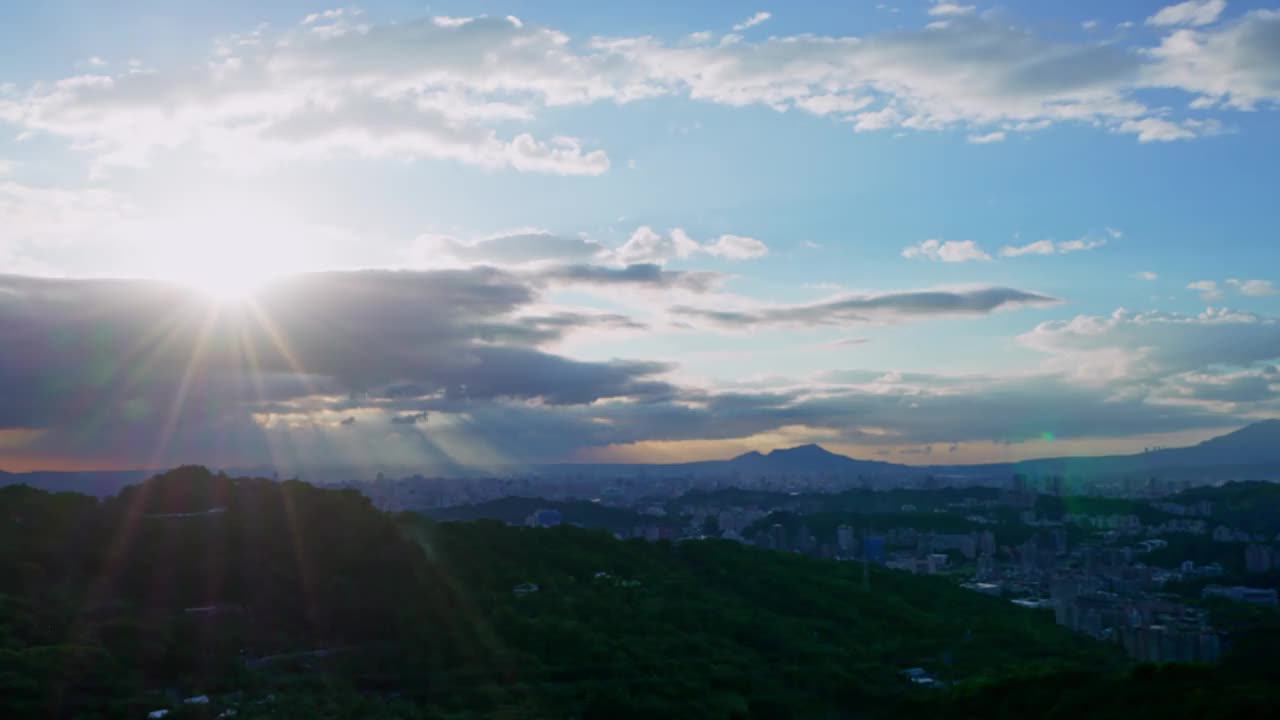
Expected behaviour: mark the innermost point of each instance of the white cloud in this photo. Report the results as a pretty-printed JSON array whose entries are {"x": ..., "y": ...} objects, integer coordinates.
[
  {"x": 1208, "y": 289},
  {"x": 1152, "y": 129},
  {"x": 439, "y": 87},
  {"x": 334, "y": 84},
  {"x": 1039, "y": 247},
  {"x": 752, "y": 21},
  {"x": 736, "y": 247},
  {"x": 1050, "y": 247},
  {"x": 649, "y": 246},
  {"x": 954, "y": 251},
  {"x": 1140, "y": 345},
  {"x": 1192, "y": 12},
  {"x": 1089, "y": 24},
  {"x": 941, "y": 8},
  {"x": 1147, "y": 275},
  {"x": 828, "y": 104},
  {"x": 1237, "y": 64},
  {"x": 1253, "y": 288},
  {"x": 991, "y": 137}
]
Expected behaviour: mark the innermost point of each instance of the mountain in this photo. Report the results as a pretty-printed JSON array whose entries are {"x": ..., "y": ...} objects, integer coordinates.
[
  {"x": 1250, "y": 453},
  {"x": 801, "y": 460},
  {"x": 1254, "y": 444},
  {"x": 806, "y": 459},
  {"x": 100, "y": 483}
]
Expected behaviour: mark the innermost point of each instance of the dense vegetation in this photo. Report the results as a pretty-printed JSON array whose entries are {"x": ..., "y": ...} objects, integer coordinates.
[
  {"x": 515, "y": 510},
  {"x": 283, "y": 600}
]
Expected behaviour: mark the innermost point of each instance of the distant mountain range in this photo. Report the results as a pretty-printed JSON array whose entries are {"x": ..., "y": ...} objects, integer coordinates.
[{"x": 1252, "y": 453}]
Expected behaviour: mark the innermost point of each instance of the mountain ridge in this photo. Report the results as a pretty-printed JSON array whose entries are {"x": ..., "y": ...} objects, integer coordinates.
[{"x": 1256, "y": 445}]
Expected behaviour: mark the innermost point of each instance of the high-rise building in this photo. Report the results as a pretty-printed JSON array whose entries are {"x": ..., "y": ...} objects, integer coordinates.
[
  {"x": 779, "y": 535},
  {"x": 844, "y": 539},
  {"x": 873, "y": 549},
  {"x": 1259, "y": 558},
  {"x": 987, "y": 543}
]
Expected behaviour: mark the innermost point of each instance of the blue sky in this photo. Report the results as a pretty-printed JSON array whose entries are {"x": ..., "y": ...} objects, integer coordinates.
[{"x": 847, "y": 185}]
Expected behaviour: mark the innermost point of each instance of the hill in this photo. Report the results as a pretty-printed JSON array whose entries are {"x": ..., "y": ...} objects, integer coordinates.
[
  {"x": 205, "y": 584},
  {"x": 278, "y": 599}
]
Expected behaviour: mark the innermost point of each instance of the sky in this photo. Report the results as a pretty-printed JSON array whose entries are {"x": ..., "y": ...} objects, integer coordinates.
[{"x": 499, "y": 233}]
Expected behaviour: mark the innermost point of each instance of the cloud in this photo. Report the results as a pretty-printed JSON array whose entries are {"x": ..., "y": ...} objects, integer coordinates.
[
  {"x": 991, "y": 137},
  {"x": 1192, "y": 12},
  {"x": 850, "y": 342},
  {"x": 334, "y": 84},
  {"x": 941, "y": 8},
  {"x": 1050, "y": 247},
  {"x": 638, "y": 274},
  {"x": 637, "y": 260},
  {"x": 1147, "y": 275},
  {"x": 885, "y": 307},
  {"x": 647, "y": 246},
  {"x": 1208, "y": 289},
  {"x": 1137, "y": 345},
  {"x": 1155, "y": 130},
  {"x": 450, "y": 88},
  {"x": 736, "y": 247},
  {"x": 513, "y": 249},
  {"x": 948, "y": 251},
  {"x": 752, "y": 21},
  {"x": 449, "y": 332},
  {"x": 1253, "y": 288},
  {"x": 350, "y": 358},
  {"x": 1211, "y": 291},
  {"x": 1236, "y": 64}
]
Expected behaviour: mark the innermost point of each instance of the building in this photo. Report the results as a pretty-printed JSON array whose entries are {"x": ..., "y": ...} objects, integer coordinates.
[
  {"x": 873, "y": 549},
  {"x": 845, "y": 540},
  {"x": 986, "y": 566},
  {"x": 1240, "y": 593},
  {"x": 987, "y": 542},
  {"x": 544, "y": 518},
  {"x": 936, "y": 562},
  {"x": 967, "y": 545},
  {"x": 1171, "y": 643},
  {"x": 1259, "y": 558}
]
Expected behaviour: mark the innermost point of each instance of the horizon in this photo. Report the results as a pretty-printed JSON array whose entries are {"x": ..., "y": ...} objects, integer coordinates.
[
  {"x": 762, "y": 453},
  {"x": 504, "y": 233}
]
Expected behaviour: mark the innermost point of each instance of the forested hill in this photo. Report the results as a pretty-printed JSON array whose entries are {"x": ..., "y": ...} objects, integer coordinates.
[{"x": 284, "y": 600}]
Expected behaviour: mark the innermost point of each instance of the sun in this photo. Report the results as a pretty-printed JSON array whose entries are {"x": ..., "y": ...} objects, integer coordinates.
[
  {"x": 225, "y": 246},
  {"x": 225, "y": 283}
]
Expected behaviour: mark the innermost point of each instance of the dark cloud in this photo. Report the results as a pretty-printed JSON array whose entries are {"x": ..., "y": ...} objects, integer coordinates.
[
  {"x": 520, "y": 249},
  {"x": 151, "y": 373},
  {"x": 641, "y": 274},
  {"x": 412, "y": 419},
  {"x": 112, "y": 366},
  {"x": 862, "y": 308}
]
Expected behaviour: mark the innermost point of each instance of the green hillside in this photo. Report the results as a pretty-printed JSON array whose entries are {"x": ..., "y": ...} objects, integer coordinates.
[{"x": 283, "y": 600}]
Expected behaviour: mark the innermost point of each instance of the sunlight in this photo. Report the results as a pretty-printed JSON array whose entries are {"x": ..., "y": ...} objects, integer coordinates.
[
  {"x": 226, "y": 245},
  {"x": 225, "y": 283}
]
